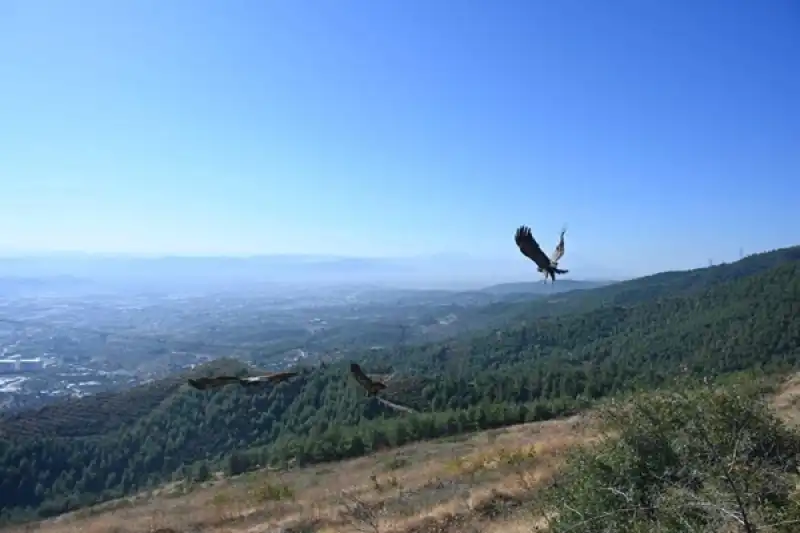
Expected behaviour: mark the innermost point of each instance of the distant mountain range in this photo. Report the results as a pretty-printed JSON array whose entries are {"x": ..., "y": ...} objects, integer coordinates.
[{"x": 62, "y": 271}]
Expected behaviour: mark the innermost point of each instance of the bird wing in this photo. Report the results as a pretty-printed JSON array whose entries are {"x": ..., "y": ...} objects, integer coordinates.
[
  {"x": 364, "y": 380},
  {"x": 395, "y": 406},
  {"x": 274, "y": 378},
  {"x": 212, "y": 382},
  {"x": 558, "y": 253},
  {"x": 530, "y": 248},
  {"x": 409, "y": 390}
]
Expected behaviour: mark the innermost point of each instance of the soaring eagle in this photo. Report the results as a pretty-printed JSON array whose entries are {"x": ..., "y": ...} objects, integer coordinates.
[
  {"x": 373, "y": 387},
  {"x": 558, "y": 253},
  {"x": 531, "y": 249},
  {"x": 249, "y": 381}
]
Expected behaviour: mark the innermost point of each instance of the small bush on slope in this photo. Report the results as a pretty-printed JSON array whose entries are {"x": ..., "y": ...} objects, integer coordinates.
[{"x": 701, "y": 460}]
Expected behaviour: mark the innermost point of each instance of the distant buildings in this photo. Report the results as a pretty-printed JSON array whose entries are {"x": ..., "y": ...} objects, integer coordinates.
[{"x": 14, "y": 366}]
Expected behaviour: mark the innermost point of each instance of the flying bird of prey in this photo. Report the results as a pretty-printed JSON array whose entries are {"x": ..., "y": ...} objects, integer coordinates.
[
  {"x": 249, "y": 381},
  {"x": 558, "y": 253},
  {"x": 531, "y": 249},
  {"x": 374, "y": 386}
]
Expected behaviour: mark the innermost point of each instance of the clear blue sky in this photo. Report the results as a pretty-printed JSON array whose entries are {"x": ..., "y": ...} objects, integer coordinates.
[{"x": 663, "y": 133}]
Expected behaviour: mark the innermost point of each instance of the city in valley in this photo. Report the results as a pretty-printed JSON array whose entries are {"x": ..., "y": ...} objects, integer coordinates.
[{"x": 73, "y": 334}]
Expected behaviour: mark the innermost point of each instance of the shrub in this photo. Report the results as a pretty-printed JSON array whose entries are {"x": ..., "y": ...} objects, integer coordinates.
[{"x": 700, "y": 460}]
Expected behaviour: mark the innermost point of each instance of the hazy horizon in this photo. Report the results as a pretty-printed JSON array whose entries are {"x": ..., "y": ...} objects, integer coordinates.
[
  {"x": 444, "y": 270},
  {"x": 434, "y": 271},
  {"x": 664, "y": 135}
]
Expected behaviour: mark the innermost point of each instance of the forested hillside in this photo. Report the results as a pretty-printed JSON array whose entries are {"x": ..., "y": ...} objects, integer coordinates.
[{"x": 554, "y": 358}]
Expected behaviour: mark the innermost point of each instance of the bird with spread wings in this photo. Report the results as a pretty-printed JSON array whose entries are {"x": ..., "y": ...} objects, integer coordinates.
[
  {"x": 531, "y": 249},
  {"x": 214, "y": 382},
  {"x": 558, "y": 253},
  {"x": 374, "y": 385}
]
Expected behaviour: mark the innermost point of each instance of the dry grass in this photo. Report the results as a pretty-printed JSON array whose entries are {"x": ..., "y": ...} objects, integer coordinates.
[
  {"x": 787, "y": 400},
  {"x": 461, "y": 485}
]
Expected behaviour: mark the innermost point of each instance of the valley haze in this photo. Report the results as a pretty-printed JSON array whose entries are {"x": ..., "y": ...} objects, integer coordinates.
[
  {"x": 439, "y": 271},
  {"x": 91, "y": 324}
]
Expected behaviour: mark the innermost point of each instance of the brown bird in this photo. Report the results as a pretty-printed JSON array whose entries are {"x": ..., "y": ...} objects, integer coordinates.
[
  {"x": 373, "y": 387},
  {"x": 558, "y": 253},
  {"x": 531, "y": 249},
  {"x": 248, "y": 381}
]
